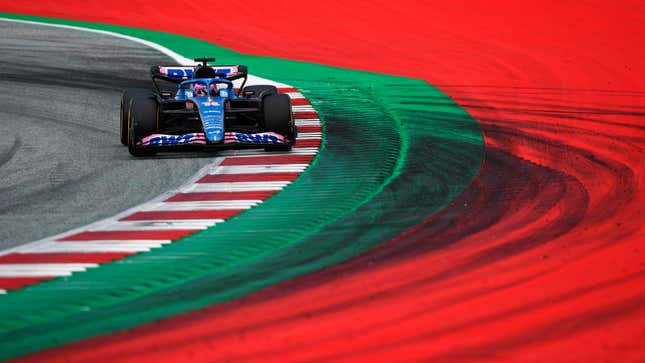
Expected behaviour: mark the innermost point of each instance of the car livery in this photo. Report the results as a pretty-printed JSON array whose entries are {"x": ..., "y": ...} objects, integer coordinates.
[
  {"x": 265, "y": 138},
  {"x": 211, "y": 112},
  {"x": 184, "y": 73},
  {"x": 161, "y": 139},
  {"x": 205, "y": 110}
]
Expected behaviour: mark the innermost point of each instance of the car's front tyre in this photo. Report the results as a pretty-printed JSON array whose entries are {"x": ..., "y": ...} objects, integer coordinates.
[
  {"x": 277, "y": 117},
  {"x": 143, "y": 121},
  {"x": 126, "y": 99}
]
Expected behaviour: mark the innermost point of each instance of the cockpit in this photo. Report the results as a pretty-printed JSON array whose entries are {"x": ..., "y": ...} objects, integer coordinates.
[{"x": 205, "y": 88}]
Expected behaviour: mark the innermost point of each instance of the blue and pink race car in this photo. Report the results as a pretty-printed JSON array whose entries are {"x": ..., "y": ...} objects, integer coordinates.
[{"x": 205, "y": 111}]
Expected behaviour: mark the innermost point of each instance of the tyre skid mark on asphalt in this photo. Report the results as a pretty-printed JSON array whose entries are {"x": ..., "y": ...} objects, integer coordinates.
[
  {"x": 9, "y": 154},
  {"x": 236, "y": 181}
]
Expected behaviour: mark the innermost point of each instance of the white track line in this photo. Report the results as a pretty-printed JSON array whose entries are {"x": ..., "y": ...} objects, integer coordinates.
[
  {"x": 98, "y": 246},
  {"x": 309, "y": 136},
  {"x": 294, "y": 95},
  {"x": 235, "y": 187},
  {"x": 155, "y": 225},
  {"x": 303, "y": 108},
  {"x": 308, "y": 122},
  {"x": 42, "y": 269},
  {"x": 92, "y": 246},
  {"x": 258, "y": 169},
  {"x": 204, "y": 205},
  {"x": 294, "y": 151}
]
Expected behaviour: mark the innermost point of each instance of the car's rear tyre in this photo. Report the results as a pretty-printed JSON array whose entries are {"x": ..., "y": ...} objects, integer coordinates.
[
  {"x": 260, "y": 91},
  {"x": 143, "y": 121},
  {"x": 126, "y": 99},
  {"x": 277, "y": 117}
]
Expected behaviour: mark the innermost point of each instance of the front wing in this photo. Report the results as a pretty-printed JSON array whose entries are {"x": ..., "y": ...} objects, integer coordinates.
[{"x": 231, "y": 140}]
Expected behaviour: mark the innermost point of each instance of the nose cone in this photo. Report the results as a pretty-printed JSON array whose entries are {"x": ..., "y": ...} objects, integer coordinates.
[{"x": 211, "y": 113}]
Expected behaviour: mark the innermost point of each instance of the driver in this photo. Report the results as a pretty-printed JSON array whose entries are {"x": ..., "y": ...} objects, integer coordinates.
[
  {"x": 213, "y": 90},
  {"x": 199, "y": 90}
]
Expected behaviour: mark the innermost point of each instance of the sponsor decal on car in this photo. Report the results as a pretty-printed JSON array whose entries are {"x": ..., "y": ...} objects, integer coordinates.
[
  {"x": 187, "y": 72},
  {"x": 198, "y": 138},
  {"x": 213, "y": 126},
  {"x": 163, "y": 140},
  {"x": 265, "y": 138}
]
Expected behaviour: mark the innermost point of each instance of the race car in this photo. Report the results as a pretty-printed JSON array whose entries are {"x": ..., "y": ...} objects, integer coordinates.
[{"x": 206, "y": 111}]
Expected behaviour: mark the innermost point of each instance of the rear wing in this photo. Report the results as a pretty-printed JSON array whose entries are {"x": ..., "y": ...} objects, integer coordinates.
[{"x": 178, "y": 74}]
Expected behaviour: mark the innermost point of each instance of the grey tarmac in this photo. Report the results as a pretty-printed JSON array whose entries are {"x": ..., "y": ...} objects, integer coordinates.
[{"x": 61, "y": 163}]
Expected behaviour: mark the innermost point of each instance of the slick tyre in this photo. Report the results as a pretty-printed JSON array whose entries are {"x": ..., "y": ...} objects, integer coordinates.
[
  {"x": 276, "y": 113},
  {"x": 126, "y": 98},
  {"x": 142, "y": 121}
]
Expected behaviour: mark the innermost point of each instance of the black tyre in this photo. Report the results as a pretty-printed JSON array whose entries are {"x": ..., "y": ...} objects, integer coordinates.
[
  {"x": 261, "y": 90},
  {"x": 276, "y": 113},
  {"x": 142, "y": 121},
  {"x": 126, "y": 99}
]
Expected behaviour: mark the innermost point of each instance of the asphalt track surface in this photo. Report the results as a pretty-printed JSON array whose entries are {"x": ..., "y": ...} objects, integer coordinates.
[
  {"x": 541, "y": 259},
  {"x": 61, "y": 161}
]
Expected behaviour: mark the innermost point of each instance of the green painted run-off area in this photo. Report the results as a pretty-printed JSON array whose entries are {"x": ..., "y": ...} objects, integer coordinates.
[{"x": 395, "y": 151}]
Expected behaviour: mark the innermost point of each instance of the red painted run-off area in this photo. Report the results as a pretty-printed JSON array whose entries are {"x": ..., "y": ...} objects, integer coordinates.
[{"x": 541, "y": 258}]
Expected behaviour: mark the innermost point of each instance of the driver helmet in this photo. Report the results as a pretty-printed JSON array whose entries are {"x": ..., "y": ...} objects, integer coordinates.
[{"x": 199, "y": 90}]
